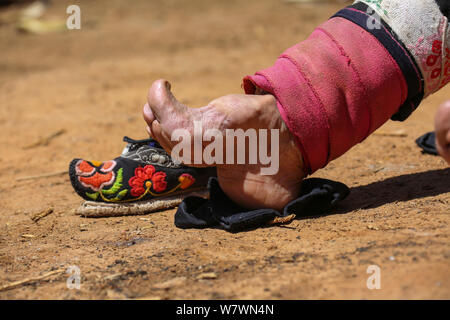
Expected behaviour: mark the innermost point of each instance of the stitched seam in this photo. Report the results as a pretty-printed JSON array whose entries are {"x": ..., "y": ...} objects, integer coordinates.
[
  {"x": 401, "y": 47},
  {"x": 397, "y": 68},
  {"x": 342, "y": 51},
  {"x": 305, "y": 157},
  {"x": 316, "y": 95}
]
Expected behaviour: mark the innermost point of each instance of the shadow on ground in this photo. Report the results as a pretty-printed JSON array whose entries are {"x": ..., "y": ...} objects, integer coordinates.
[{"x": 397, "y": 189}]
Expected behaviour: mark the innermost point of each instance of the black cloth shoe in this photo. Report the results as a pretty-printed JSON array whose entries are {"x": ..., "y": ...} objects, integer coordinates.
[
  {"x": 144, "y": 178},
  {"x": 428, "y": 143}
]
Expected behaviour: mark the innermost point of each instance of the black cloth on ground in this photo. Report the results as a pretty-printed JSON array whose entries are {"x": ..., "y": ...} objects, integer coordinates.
[{"x": 317, "y": 196}]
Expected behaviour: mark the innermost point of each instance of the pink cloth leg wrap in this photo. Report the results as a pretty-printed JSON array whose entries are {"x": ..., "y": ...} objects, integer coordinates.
[{"x": 333, "y": 89}]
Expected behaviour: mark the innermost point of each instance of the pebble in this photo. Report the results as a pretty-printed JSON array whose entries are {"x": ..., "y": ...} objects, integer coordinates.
[{"x": 207, "y": 276}]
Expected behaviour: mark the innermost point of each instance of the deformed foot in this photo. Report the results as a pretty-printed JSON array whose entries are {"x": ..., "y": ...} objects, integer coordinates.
[{"x": 243, "y": 183}]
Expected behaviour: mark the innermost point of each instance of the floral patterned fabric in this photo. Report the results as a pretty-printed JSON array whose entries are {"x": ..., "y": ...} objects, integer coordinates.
[{"x": 127, "y": 180}]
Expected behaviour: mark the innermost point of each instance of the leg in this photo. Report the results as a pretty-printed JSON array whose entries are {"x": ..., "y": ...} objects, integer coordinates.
[{"x": 442, "y": 128}]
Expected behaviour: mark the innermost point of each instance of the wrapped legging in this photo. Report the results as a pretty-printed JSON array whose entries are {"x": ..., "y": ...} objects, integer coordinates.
[{"x": 371, "y": 61}]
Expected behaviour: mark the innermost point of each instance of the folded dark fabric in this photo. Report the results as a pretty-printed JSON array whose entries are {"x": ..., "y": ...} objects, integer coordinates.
[
  {"x": 427, "y": 143},
  {"x": 317, "y": 196}
]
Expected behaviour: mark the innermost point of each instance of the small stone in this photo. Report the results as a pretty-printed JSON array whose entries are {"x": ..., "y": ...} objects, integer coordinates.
[
  {"x": 207, "y": 276},
  {"x": 112, "y": 276}
]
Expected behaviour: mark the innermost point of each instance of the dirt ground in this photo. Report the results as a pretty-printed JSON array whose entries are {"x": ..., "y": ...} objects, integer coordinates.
[{"x": 89, "y": 86}]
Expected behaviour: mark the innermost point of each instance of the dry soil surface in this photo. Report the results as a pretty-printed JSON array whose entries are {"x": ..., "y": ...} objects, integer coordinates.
[{"x": 89, "y": 86}]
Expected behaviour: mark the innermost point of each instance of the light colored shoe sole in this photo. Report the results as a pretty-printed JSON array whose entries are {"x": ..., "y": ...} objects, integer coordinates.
[{"x": 94, "y": 209}]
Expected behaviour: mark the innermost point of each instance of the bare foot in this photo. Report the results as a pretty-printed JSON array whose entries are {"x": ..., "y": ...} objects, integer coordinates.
[
  {"x": 243, "y": 183},
  {"x": 442, "y": 129}
]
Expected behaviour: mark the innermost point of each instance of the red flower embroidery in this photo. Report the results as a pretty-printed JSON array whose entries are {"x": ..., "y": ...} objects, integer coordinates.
[
  {"x": 95, "y": 174},
  {"x": 145, "y": 177},
  {"x": 186, "y": 180},
  {"x": 159, "y": 182}
]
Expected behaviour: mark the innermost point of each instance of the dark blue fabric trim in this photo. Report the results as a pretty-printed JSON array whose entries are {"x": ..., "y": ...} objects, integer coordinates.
[
  {"x": 444, "y": 6},
  {"x": 358, "y": 14}
]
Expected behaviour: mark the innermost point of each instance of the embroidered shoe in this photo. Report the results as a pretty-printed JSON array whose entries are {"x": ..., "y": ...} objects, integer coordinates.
[{"x": 143, "y": 179}]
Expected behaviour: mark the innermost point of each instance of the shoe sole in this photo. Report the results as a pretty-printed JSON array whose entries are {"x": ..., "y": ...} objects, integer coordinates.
[{"x": 94, "y": 209}]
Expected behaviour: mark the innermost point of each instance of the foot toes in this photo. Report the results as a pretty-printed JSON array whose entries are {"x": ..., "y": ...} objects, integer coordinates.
[
  {"x": 149, "y": 117},
  {"x": 163, "y": 105}
]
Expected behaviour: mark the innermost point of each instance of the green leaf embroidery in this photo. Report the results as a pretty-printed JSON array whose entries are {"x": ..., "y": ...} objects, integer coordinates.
[
  {"x": 113, "y": 190},
  {"x": 122, "y": 194},
  {"x": 119, "y": 196},
  {"x": 93, "y": 196},
  {"x": 117, "y": 184}
]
